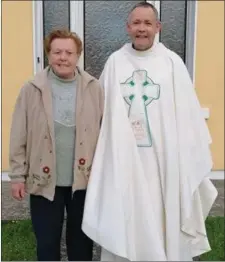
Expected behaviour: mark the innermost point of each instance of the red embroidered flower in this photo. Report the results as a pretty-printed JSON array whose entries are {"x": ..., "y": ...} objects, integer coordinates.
[
  {"x": 46, "y": 169},
  {"x": 82, "y": 161}
]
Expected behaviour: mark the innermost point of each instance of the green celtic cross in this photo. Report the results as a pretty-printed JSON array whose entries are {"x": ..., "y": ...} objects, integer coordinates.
[{"x": 138, "y": 92}]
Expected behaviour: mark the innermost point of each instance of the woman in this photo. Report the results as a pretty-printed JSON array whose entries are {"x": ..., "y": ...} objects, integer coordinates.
[{"x": 55, "y": 127}]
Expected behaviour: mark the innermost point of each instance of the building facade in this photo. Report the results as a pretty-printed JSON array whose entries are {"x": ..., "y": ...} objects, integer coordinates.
[{"x": 193, "y": 29}]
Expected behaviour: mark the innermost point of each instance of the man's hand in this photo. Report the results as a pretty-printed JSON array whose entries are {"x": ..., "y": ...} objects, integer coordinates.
[{"x": 18, "y": 190}]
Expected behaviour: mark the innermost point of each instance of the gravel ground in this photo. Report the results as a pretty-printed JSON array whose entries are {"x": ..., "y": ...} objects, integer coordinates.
[{"x": 18, "y": 210}]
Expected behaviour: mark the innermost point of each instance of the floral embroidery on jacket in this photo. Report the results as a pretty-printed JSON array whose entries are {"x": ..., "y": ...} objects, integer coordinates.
[
  {"x": 84, "y": 168},
  {"x": 46, "y": 169},
  {"x": 82, "y": 161}
]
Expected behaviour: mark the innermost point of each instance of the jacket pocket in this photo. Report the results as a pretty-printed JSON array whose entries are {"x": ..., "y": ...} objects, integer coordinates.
[{"x": 37, "y": 182}]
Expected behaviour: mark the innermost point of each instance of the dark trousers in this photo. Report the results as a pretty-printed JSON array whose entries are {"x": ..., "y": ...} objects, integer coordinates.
[{"x": 47, "y": 219}]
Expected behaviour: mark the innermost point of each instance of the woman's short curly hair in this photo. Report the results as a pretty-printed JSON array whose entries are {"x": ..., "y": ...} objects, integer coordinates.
[{"x": 63, "y": 34}]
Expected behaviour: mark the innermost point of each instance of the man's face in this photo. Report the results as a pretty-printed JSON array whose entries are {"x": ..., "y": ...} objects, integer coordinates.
[
  {"x": 63, "y": 57},
  {"x": 142, "y": 27}
]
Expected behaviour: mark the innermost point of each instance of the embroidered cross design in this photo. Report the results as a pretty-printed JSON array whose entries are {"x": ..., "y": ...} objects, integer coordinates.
[{"x": 138, "y": 92}]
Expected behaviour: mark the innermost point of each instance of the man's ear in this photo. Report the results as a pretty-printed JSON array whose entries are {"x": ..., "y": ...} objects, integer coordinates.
[
  {"x": 128, "y": 27},
  {"x": 159, "y": 26}
]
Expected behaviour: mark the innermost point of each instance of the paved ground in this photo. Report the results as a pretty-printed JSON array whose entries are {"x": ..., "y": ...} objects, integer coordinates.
[{"x": 12, "y": 210}]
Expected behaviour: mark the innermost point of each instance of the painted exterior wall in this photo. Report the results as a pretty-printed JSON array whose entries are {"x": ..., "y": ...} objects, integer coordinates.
[
  {"x": 17, "y": 66},
  {"x": 17, "y": 61},
  {"x": 210, "y": 72}
]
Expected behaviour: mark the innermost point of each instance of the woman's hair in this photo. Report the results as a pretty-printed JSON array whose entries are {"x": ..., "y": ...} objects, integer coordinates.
[{"x": 63, "y": 34}]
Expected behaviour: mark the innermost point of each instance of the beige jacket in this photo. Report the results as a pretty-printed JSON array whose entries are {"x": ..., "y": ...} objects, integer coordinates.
[{"x": 32, "y": 145}]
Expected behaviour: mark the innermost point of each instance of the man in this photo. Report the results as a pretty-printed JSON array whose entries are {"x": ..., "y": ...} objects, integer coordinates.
[
  {"x": 55, "y": 128},
  {"x": 148, "y": 195}
]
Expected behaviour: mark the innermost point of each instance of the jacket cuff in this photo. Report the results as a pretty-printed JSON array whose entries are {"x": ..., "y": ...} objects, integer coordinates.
[{"x": 17, "y": 178}]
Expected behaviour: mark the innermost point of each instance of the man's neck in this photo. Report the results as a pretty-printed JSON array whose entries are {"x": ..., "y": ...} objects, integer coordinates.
[{"x": 141, "y": 50}]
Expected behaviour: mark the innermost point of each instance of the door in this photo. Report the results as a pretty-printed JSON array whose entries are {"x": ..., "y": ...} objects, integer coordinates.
[{"x": 101, "y": 26}]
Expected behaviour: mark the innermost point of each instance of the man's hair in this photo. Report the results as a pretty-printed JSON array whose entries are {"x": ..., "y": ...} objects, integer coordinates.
[
  {"x": 62, "y": 34},
  {"x": 146, "y": 5}
]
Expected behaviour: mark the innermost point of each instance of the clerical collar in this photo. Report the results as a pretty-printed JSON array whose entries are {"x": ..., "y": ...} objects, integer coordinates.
[{"x": 139, "y": 53}]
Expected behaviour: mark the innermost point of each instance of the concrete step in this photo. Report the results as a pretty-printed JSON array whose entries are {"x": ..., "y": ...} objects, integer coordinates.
[{"x": 12, "y": 209}]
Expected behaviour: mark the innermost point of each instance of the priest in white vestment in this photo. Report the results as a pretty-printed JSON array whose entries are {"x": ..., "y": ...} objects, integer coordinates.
[{"x": 149, "y": 192}]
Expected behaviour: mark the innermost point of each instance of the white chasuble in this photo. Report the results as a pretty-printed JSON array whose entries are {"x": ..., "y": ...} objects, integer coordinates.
[{"x": 148, "y": 195}]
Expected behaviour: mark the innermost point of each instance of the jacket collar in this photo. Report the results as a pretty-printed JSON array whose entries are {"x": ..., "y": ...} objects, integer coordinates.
[{"x": 41, "y": 81}]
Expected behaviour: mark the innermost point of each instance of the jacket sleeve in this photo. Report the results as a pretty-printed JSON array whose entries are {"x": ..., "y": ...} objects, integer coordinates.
[{"x": 18, "y": 140}]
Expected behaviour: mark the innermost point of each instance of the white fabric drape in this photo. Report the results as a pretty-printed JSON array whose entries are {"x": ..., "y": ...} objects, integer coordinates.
[{"x": 150, "y": 204}]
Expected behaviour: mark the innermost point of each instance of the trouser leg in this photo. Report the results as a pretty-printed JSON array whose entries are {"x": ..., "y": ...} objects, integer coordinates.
[
  {"x": 79, "y": 246},
  {"x": 47, "y": 220}
]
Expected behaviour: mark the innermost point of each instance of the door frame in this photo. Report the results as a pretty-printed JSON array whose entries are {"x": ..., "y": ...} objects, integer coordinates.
[
  {"x": 191, "y": 36},
  {"x": 77, "y": 24},
  {"x": 38, "y": 36}
]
